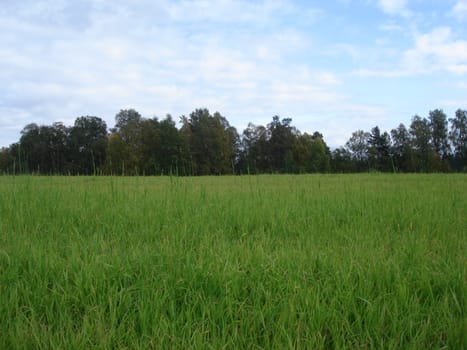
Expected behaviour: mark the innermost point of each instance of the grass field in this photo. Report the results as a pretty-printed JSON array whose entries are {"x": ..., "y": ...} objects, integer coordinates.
[{"x": 263, "y": 262}]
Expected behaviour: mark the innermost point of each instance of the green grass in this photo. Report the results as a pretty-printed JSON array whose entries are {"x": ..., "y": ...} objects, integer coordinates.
[{"x": 263, "y": 262}]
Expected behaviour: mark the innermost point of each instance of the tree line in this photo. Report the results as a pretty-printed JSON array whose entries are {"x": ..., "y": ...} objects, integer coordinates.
[{"x": 206, "y": 144}]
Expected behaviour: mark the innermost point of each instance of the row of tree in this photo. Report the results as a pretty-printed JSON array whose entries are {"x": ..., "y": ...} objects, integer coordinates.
[
  {"x": 428, "y": 145},
  {"x": 207, "y": 144}
]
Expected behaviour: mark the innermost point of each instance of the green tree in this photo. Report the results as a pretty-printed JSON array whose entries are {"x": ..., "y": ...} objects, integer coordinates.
[
  {"x": 302, "y": 149},
  {"x": 254, "y": 151},
  {"x": 458, "y": 138},
  {"x": 88, "y": 144},
  {"x": 212, "y": 143},
  {"x": 58, "y": 147},
  {"x": 402, "y": 149},
  {"x": 43, "y": 149},
  {"x": 7, "y": 161},
  {"x": 115, "y": 160},
  {"x": 341, "y": 161},
  {"x": 31, "y": 150},
  {"x": 161, "y": 147},
  {"x": 379, "y": 150},
  {"x": 358, "y": 146},
  {"x": 171, "y": 149},
  {"x": 281, "y": 142},
  {"x": 150, "y": 148},
  {"x": 439, "y": 132},
  {"x": 311, "y": 153},
  {"x": 426, "y": 159},
  {"x": 17, "y": 155},
  {"x": 129, "y": 126}
]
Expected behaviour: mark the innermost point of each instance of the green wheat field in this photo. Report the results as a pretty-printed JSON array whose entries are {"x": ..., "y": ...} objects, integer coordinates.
[{"x": 367, "y": 261}]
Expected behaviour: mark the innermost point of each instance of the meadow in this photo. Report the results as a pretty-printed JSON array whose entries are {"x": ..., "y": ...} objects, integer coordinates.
[{"x": 367, "y": 261}]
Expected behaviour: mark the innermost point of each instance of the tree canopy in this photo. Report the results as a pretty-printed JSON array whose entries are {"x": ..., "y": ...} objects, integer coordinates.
[{"x": 206, "y": 144}]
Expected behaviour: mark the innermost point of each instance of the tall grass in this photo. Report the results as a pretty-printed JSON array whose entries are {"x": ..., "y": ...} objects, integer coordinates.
[{"x": 258, "y": 262}]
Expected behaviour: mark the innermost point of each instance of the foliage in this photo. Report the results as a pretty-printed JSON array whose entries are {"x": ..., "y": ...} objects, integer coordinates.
[
  {"x": 358, "y": 147},
  {"x": 402, "y": 150},
  {"x": 458, "y": 137},
  {"x": 87, "y": 145},
  {"x": 379, "y": 150},
  {"x": 206, "y": 144},
  {"x": 212, "y": 143}
]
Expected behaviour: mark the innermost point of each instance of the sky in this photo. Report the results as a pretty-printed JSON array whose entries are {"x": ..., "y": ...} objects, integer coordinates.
[{"x": 333, "y": 66}]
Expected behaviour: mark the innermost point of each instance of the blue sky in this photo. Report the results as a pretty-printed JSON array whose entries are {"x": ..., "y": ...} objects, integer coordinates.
[{"x": 332, "y": 66}]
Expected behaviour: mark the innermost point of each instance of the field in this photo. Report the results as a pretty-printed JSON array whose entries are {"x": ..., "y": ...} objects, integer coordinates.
[{"x": 251, "y": 262}]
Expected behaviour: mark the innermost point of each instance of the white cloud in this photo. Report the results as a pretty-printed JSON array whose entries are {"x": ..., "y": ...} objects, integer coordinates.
[
  {"x": 432, "y": 52},
  {"x": 391, "y": 27},
  {"x": 460, "y": 103},
  {"x": 437, "y": 51},
  {"x": 380, "y": 73},
  {"x": 247, "y": 59},
  {"x": 459, "y": 10},
  {"x": 350, "y": 50},
  {"x": 394, "y": 7},
  {"x": 173, "y": 64}
]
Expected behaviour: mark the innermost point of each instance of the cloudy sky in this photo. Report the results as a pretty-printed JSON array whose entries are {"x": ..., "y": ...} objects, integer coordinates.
[{"x": 333, "y": 66}]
